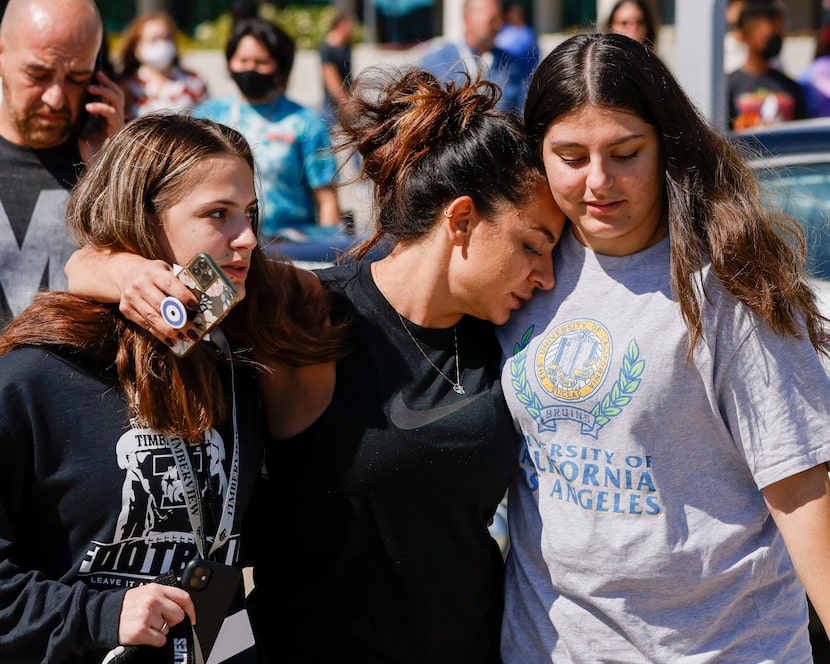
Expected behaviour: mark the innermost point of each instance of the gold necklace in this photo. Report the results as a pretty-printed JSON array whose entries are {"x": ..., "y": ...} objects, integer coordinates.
[{"x": 457, "y": 387}]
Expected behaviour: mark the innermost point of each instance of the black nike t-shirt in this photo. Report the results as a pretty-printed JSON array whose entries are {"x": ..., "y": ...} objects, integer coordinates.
[{"x": 384, "y": 503}]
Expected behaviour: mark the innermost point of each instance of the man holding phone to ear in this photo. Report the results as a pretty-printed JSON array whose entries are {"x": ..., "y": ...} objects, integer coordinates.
[{"x": 48, "y": 54}]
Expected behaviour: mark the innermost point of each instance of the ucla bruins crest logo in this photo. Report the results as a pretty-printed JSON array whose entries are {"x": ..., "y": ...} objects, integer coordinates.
[
  {"x": 571, "y": 364},
  {"x": 572, "y": 361}
]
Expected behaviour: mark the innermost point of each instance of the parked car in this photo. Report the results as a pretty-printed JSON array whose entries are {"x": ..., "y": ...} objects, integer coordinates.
[{"x": 314, "y": 247}]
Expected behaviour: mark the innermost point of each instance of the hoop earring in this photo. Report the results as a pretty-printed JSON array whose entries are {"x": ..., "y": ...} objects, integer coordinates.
[{"x": 448, "y": 214}]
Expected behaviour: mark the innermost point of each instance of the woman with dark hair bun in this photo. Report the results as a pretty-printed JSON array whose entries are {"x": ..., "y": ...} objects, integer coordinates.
[
  {"x": 390, "y": 558},
  {"x": 672, "y": 494}
]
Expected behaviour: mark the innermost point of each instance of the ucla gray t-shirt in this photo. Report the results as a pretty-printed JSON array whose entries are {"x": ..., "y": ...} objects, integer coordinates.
[{"x": 638, "y": 529}]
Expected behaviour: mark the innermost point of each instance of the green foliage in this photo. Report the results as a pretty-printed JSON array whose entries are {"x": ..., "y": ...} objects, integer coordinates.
[
  {"x": 307, "y": 24},
  {"x": 526, "y": 396},
  {"x": 627, "y": 384}
]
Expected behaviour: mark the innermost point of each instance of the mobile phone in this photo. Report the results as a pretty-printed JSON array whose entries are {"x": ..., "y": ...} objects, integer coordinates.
[
  {"x": 89, "y": 122},
  {"x": 213, "y": 290},
  {"x": 214, "y": 587}
]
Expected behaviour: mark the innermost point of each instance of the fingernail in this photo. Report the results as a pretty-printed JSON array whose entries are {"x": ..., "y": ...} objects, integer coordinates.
[
  {"x": 193, "y": 335},
  {"x": 192, "y": 305},
  {"x": 169, "y": 342},
  {"x": 182, "y": 337}
]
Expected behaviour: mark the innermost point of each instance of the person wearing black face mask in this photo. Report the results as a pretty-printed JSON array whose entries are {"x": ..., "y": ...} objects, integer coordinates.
[
  {"x": 291, "y": 142},
  {"x": 254, "y": 85},
  {"x": 759, "y": 93}
]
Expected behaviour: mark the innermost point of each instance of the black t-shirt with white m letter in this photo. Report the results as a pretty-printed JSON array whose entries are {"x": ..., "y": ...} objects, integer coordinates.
[{"x": 34, "y": 245}]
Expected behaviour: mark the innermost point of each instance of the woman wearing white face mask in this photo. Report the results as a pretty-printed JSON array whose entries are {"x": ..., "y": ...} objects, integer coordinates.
[{"x": 151, "y": 75}]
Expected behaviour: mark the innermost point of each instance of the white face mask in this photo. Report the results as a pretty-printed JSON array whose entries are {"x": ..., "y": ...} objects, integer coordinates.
[{"x": 158, "y": 54}]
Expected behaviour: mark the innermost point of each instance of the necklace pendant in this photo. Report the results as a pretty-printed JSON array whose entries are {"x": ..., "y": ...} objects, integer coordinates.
[{"x": 458, "y": 389}]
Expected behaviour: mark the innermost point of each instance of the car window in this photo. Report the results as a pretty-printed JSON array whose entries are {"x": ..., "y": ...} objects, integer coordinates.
[{"x": 803, "y": 192}]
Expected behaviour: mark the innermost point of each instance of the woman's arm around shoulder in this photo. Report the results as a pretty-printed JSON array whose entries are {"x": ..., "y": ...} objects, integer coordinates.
[{"x": 138, "y": 284}]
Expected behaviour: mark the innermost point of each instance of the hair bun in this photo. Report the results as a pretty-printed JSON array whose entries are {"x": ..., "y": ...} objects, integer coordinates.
[
  {"x": 436, "y": 111},
  {"x": 395, "y": 117}
]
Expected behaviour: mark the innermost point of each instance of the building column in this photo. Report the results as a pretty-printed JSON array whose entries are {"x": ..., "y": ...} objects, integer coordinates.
[
  {"x": 603, "y": 9},
  {"x": 699, "y": 55},
  {"x": 453, "y": 16}
]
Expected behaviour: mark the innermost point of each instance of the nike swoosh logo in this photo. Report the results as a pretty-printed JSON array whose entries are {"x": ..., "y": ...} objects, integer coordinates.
[{"x": 407, "y": 419}]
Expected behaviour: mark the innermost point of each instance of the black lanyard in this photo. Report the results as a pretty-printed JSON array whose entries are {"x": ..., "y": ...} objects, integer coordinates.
[{"x": 190, "y": 483}]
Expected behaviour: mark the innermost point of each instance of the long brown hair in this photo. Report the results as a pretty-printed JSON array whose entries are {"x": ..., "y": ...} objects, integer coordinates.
[
  {"x": 712, "y": 198},
  {"x": 141, "y": 172}
]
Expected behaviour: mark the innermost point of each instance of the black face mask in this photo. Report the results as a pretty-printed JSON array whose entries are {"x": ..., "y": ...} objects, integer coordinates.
[
  {"x": 773, "y": 47},
  {"x": 254, "y": 85}
]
